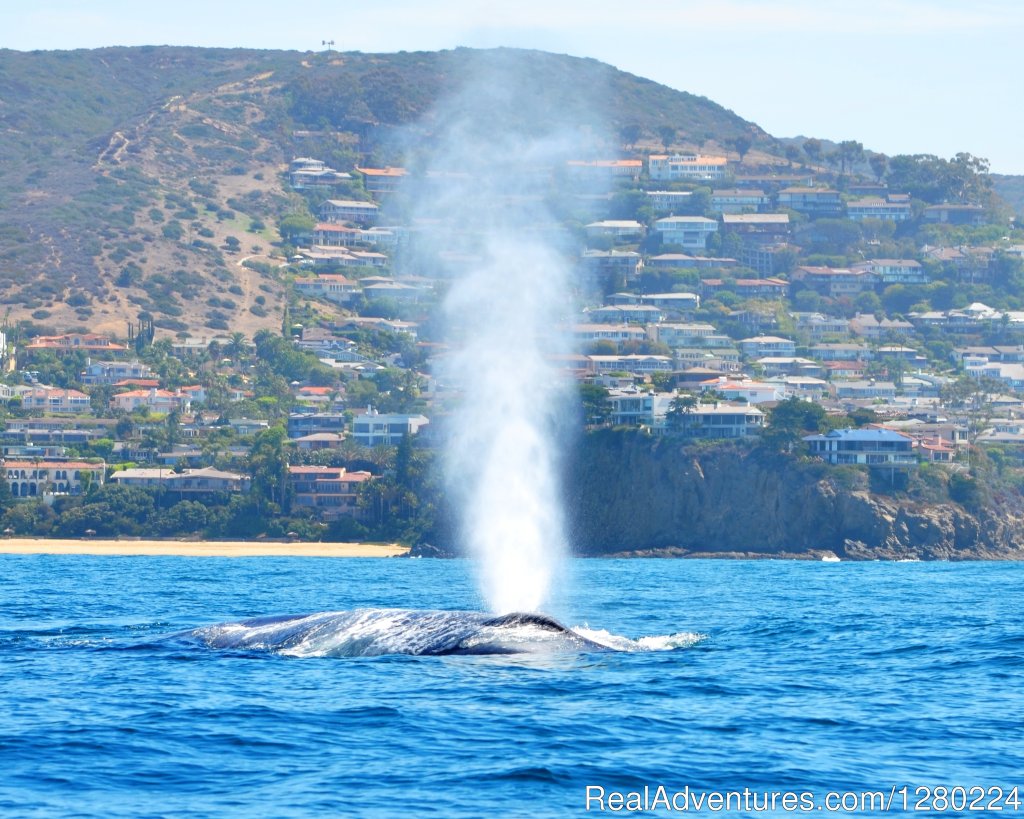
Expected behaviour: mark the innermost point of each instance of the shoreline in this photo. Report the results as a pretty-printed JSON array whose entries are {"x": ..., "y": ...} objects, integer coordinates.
[{"x": 196, "y": 548}]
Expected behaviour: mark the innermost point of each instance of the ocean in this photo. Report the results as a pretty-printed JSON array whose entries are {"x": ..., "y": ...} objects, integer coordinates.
[{"x": 797, "y": 682}]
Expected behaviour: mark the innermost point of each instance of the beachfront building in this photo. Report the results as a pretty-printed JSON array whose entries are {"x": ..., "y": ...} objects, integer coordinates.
[
  {"x": 188, "y": 483},
  {"x": 37, "y": 478},
  {"x": 328, "y": 492}
]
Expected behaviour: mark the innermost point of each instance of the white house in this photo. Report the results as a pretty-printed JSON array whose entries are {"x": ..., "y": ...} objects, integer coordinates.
[
  {"x": 373, "y": 428},
  {"x": 688, "y": 232}
]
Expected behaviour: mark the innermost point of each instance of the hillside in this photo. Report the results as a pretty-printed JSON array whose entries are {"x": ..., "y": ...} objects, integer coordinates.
[{"x": 140, "y": 179}]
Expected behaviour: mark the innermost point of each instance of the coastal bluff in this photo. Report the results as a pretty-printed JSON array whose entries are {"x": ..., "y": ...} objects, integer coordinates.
[{"x": 628, "y": 493}]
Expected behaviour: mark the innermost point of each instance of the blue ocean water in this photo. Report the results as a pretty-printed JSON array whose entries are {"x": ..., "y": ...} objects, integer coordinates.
[{"x": 808, "y": 677}]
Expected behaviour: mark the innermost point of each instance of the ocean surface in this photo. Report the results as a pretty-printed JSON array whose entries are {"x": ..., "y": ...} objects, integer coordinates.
[{"x": 787, "y": 677}]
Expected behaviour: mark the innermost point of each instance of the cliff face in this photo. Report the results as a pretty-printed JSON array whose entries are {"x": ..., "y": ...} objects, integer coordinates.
[{"x": 630, "y": 493}]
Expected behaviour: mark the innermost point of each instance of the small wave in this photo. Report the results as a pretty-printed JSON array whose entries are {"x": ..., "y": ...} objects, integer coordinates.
[{"x": 657, "y": 642}]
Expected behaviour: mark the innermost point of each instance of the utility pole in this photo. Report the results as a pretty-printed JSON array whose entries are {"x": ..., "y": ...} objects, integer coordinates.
[{"x": 328, "y": 43}]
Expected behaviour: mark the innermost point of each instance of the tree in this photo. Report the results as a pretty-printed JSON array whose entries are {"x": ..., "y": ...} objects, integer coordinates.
[
  {"x": 236, "y": 346},
  {"x": 594, "y": 402},
  {"x": 630, "y": 134},
  {"x": 679, "y": 411},
  {"x": 667, "y": 134},
  {"x": 790, "y": 420},
  {"x": 741, "y": 144},
  {"x": 850, "y": 152},
  {"x": 879, "y": 165},
  {"x": 814, "y": 149}
]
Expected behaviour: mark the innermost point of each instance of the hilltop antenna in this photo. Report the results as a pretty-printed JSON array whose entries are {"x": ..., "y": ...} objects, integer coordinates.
[{"x": 328, "y": 43}]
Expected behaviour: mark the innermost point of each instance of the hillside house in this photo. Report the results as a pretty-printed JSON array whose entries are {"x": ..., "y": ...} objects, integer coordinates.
[
  {"x": 696, "y": 167},
  {"x": 876, "y": 208},
  {"x": 874, "y": 447},
  {"x": 382, "y": 180},
  {"x": 55, "y": 399},
  {"x": 739, "y": 200},
  {"x": 669, "y": 201},
  {"x": 687, "y": 232},
  {"x": 374, "y": 428},
  {"x": 615, "y": 229},
  {"x": 351, "y": 211},
  {"x": 813, "y": 202},
  {"x": 719, "y": 420}
]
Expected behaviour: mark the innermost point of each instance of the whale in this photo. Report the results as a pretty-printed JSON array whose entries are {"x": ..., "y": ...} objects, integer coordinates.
[{"x": 376, "y": 632}]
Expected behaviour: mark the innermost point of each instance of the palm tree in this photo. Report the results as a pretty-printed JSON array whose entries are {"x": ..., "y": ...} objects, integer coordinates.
[{"x": 236, "y": 346}]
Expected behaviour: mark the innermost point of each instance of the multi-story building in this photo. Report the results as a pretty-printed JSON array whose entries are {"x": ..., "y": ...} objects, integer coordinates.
[
  {"x": 349, "y": 210},
  {"x": 811, "y": 201},
  {"x": 38, "y": 478},
  {"x": 688, "y": 232},
  {"x": 326, "y": 491},
  {"x": 663, "y": 167},
  {"x": 373, "y": 428},
  {"x": 874, "y": 447}
]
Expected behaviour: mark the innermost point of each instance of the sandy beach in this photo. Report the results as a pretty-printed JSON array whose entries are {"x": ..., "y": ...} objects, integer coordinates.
[{"x": 198, "y": 548}]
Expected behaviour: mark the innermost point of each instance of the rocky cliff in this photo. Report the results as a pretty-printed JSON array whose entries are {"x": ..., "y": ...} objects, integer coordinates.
[{"x": 631, "y": 493}]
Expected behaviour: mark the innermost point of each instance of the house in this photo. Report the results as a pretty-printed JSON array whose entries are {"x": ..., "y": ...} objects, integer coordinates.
[
  {"x": 640, "y": 365},
  {"x": 811, "y": 201},
  {"x": 753, "y": 392},
  {"x": 301, "y": 424},
  {"x": 687, "y": 232},
  {"x": 319, "y": 440},
  {"x": 624, "y": 314},
  {"x": 55, "y": 399},
  {"x": 618, "y": 334},
  {"x": 155, "y": 400},
  {"x": 662, "y": 167},
  {"x": 766, "y": 255},
  {"x": 739, "y": 200},
  {"x": 111, "y": 372},
  {"x": 955, "y": 214},
  {"x": 866, "y": 325},
  {"x": 759, "y": 346},
  {"x": 817, "y": 326},
  {"x": 760, "y": 288},
  {"x": 692, "y": 334},
  {"x": 631, "y": 407},
  {"x": 718, "y": 420},
  {"x": 351, "y": 211},
  {"x": 382, "y": 180},
  {"x": 189, "y": 483},
  {"x": 36, "y": 478},
  {"x": 616, "y": 229},
  {"x": 332, "y": 287},
  {"x": 879, "y": 390},
  {"x": 72, "y": 342},
  {"x": 841, "y": 352},
  {"x": 674, "y": 303},
  {"x": 615, "y": 265},
  {"x": 328, "y": 492},
  {"x": 874, "y": 447},
  {"x": 669, "y": 201},
  {"x": 373, "y": 428},
  {"x": 834, "y": 282},
  {"x": 675, "y": 261},
  {"x": 605, "y": 169},
  {"x": 328, "y": 234},
  {"x": 764, "y": 225},
  {"x": 896, "y": 271},
  {"x": 875, "y": 208}
]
